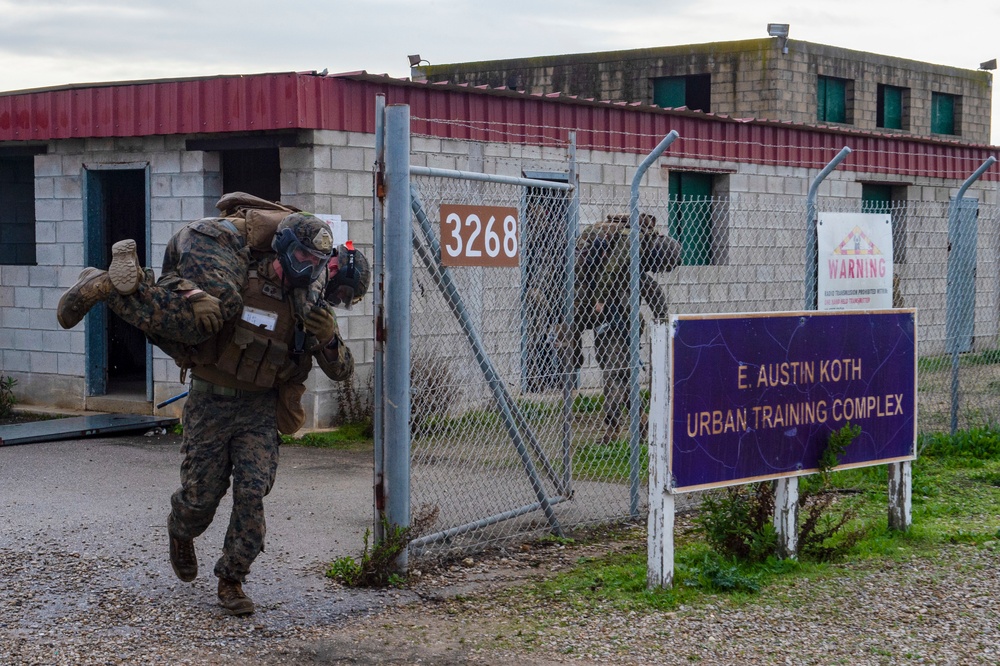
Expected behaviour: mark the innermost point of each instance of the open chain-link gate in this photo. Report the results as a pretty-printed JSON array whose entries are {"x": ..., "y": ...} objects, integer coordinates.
[{"x": 505, "y": 439}]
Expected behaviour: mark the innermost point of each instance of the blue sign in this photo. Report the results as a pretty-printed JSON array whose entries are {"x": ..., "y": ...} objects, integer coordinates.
[{"x": 755, "y": 397}]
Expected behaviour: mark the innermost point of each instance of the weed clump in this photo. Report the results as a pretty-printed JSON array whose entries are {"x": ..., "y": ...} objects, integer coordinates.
[
  {"x": 7, "y": 397},
  {"x": 377, "y": 565}
]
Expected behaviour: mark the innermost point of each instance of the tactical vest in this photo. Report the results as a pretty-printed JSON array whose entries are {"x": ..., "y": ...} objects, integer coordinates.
[{"x": 255, "y": 351}]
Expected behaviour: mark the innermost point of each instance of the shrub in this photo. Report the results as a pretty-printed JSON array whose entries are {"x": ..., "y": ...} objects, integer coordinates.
[{"x": 7, "y": 398}]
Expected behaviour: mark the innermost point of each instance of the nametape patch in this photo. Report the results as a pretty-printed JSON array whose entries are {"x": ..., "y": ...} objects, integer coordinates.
[{"x": 260, "y": 318}]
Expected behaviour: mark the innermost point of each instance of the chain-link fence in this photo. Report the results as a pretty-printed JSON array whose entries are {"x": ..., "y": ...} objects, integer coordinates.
[{"x": 519, "y": 386}]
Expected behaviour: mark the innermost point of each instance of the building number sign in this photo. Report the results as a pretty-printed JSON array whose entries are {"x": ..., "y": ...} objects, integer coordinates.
[{"x": 479, "y": 236}]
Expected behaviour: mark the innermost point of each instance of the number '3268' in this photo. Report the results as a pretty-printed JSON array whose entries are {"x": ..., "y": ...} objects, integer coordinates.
[{"x": 479, "y": 235}]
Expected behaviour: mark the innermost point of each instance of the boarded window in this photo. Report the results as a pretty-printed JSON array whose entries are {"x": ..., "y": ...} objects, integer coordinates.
[
  {"x": 890, "y": 107},
  {"x": 943, "y": 113},
  {"x": 831, "y": 98},
  {"x": 694, "y": 92},
  {"x": 691, "y": 215}
]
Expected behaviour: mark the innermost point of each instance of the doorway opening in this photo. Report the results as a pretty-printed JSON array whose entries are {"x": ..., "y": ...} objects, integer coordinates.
[{"x": 116, "y": 208}]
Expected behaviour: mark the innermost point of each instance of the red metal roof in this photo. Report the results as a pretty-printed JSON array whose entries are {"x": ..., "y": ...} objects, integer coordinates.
[{"x": 346, "y": 102}]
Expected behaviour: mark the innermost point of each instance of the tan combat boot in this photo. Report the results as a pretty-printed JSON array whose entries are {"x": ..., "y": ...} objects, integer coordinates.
[
  {"x": 232, "y": 599},
  {"x": 94, "y": 285},
  {"x": 183, "y": 559},
  {"x": 125, "y": 271}
]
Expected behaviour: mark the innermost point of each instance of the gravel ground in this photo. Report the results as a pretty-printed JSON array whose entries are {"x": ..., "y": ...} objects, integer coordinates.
[
  {"x": 59, "y": 607},
  {"x": 85, "y": 581}
]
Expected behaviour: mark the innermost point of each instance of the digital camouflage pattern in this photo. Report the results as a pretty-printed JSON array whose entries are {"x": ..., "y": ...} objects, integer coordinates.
[
  {"x": 210, "y": 254},
  {"x": 602, "y": 302},
  {"x": 223, "y": 437}
]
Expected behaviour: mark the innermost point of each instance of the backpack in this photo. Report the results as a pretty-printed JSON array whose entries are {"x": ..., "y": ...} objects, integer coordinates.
[{"x": 260, "y": 217}]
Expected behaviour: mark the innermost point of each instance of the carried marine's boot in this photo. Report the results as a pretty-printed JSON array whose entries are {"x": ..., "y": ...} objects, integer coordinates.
[
  {"x": 92, "y": 287},
  {"x": 125, "y": 271},
  {"x": 232, "y": 599},
  {"x": 183, "y": 559}
]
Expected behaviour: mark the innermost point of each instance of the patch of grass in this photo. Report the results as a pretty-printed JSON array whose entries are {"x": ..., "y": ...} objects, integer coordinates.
[
  {"x": 608, "y": 462},
  {"x": 955, "y": 495},
  {"x": 347, "y": 436},
  {"x": 376, "y": 566},
  {"x": 969, "y": 359},
  {"x": 588, "y": 404}
]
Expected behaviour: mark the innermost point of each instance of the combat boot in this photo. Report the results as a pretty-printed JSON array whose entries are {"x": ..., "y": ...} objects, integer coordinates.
[
  {"x": 125, "y": 271},
  {"x": 92, "y": 287},
  {"x": 183, "y": 559},
  {"x": 232, "y": 599}
]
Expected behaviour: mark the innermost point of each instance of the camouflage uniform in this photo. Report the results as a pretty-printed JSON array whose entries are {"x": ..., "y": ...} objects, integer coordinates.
[
  {"x": 249, "y": 351},
  {"x": 227, "y": 437},
  {"x": 237, "y": 435},
  {"x": 209, "y": 254},
  {"x": 602, "y": 302}
]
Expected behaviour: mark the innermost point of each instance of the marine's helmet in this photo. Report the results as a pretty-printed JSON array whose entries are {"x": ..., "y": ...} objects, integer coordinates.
[
  {"x": 350, "y": 282},
  {"x": 304, "y": 245}
]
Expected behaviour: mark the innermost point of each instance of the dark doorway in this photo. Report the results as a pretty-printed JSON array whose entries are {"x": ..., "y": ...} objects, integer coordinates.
[
  {"x": 117, "y": 209},
  {"x": 255, "y": 171}
]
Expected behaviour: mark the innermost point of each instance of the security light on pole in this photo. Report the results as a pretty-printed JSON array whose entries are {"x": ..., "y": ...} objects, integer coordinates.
[{"x": 779, "y": 30}]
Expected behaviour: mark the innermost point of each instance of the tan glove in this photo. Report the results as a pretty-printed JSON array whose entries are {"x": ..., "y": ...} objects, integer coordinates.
[
  {"x": 322, "y": 324},
  {"x": 207, "y": 315}
]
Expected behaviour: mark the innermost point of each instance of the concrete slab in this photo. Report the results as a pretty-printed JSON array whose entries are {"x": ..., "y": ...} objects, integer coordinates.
[{"x": 76, "y": 427}]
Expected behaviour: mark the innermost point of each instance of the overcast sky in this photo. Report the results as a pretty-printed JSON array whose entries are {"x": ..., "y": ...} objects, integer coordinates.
[{"x": 56, "y": 42}]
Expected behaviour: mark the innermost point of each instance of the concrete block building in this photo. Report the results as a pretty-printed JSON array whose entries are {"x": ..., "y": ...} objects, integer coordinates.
[
  {"x": 771, "y": 78},
  {"x": 84, "y": 166}
]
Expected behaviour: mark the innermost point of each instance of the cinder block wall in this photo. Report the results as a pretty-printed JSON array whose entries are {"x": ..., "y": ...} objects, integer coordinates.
[
  {"x": 332, "y": 176},
  {"x": 750, "y": 79}
]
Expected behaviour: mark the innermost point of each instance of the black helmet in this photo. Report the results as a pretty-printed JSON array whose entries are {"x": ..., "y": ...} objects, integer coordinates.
[
  {"x": 304, "y": 245},
  {"x": 353, "y": 276}
]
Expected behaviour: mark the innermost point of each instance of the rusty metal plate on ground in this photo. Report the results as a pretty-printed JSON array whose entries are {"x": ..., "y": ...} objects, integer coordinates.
[{"x": 76, "y": 427}]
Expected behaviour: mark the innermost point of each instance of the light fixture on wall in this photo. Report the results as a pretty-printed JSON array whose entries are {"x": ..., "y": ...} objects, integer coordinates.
[
  {"x": 989, "y": 65},
  {"x": 779, "y": 30},
  {"x": 416, "y": 60}
]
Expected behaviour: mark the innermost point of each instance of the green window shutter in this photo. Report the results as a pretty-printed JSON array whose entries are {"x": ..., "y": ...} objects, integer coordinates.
[
  {"x": 876, "y": 198},
  {"x": 821, "y": 98},
  {"x": 670, "y": 91},
  {"x": 942, "y": 113},
  {"x": 831, "y": 96},
  {"x": 690, "y": 219},
  {"x": 892, "y": 107}
]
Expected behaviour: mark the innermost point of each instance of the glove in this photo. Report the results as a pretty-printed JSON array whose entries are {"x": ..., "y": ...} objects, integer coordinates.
[
  {"x": 322, "y": 324},
  {"x": 207, "y": 315}
]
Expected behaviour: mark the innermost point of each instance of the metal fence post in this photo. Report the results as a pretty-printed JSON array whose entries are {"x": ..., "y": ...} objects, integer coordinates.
[
  {"x": 786, "y": 491},
  {"x": 570, "y": 376},
  {"x": 961, "y": 303},
  {"x": 378, "y": 242},
  {"x": 398, "y": 286},
  {"x": 634, "y": 323}
]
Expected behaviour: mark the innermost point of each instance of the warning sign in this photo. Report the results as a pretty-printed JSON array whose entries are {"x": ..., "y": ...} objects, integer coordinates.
[{"x": 855, "y": 261}]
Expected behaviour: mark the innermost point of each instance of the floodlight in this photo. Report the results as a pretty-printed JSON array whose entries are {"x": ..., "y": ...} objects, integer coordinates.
[
  {"x": 779, "y": 30},
  {"x": 414, "y": 60},
  {"x": 989, "y": 64}
]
